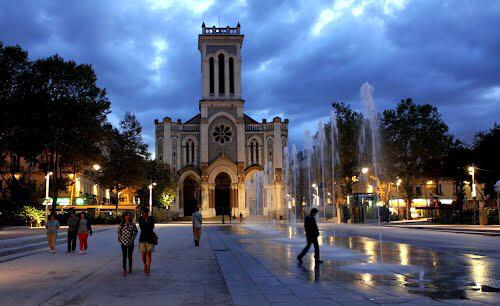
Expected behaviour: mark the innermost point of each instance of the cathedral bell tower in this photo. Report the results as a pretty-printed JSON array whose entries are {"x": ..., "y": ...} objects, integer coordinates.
[{"x": 220, "y": 50}]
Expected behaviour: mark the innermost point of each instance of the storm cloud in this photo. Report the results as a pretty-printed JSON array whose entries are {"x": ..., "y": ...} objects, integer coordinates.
[{"x": 298, "y": 56}]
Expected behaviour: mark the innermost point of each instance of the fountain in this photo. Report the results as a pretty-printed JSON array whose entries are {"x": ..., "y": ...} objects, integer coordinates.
[{"x": 308, "y": 157}]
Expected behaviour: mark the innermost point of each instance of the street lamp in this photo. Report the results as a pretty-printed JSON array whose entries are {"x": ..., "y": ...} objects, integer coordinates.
[
  {"x": 472, "y": 171},
  {"x": 96, "y": 167},
  {"x": 151, "y": 197},
  {"x": 47, "y": 198},
  {"x": 364, "y": 170}
]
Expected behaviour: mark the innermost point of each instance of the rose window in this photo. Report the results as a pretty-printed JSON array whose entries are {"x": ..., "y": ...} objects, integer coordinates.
[{"x": 222, "y": 134}]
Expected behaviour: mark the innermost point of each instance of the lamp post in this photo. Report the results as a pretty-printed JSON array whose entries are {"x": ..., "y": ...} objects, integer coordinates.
[
  {"x": 473, "y": 189},
  {"x": 47, "y": 198},
  {"x": 151, "y": 197},
  {"x": 398, "y": 183},
  {"x": 497, "y": 190}
]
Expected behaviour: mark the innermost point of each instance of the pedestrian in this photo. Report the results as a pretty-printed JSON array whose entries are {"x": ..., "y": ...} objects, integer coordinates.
[
  {"x": 197, "y": 222},
  {"x": 52, "y": 227},
  {"x": 84, "y": 230},
  {"x": 72, "y": 230},
  {"x": 312, "y": 233},
  {"x": 147, "y": 238},
  {"x": 127, "y": 231},
  {"x": 241, "y": 217}
]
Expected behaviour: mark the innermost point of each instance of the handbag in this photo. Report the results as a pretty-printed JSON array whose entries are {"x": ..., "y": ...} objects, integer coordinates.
[{"x": 154, "y": 238}]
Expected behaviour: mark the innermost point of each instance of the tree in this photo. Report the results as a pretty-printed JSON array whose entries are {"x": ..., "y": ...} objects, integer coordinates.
[
  {"x": 53, "y": 113},
  {"x": 125, "y": 155},
  {"x": 458, "y": 158},
  {"x": 31, "y": 215},
  {"x": 348, "y": 125},
  {"x": 416, "y": 136},
  {"x": 486, "y": 146},
  {"x": 69, "y": 116},
  {"x": 165, "y": 190}
]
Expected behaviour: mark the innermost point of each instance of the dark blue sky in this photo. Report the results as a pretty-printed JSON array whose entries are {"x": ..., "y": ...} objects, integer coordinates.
[{"x": 298, "y": 56}]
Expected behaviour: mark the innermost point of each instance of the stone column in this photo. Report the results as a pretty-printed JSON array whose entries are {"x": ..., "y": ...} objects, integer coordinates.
[
  {"x": 205, "y": 79},
  {"x": 167, "y": 141},
  {"x": 240, "y": 131},
  {"x": 277, "y": 145},
  {"x": 203, "y": 141},
  {"x": 205, "y": 199},
  {"x": 241, "y": 200},
  {"x": 181, "y": 200},
  {"x": 216, "y": 77},
  {"x": 237, "y": 76}
]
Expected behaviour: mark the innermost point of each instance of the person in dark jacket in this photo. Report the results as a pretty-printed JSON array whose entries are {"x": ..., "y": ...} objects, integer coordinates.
[
  {"x": 312, "y": 233},
  {"x": 72, "y": 230},
  {"x": 146, "y": 238},
  {"x": 127, "y": 231}
]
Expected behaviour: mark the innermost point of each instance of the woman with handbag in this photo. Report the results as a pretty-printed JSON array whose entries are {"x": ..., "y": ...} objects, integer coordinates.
[
  {"x": 147, "y": 238},
  {"x": 127, "y": 231}
]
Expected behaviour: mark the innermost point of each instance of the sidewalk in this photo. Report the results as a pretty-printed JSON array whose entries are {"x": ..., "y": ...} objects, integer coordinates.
[
  {"x": 24, "y": 241},
  {"x": 489, "y": 230}
]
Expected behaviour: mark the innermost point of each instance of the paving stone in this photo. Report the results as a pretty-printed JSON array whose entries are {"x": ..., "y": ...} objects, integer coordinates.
[{"x": 282, "y": 298}]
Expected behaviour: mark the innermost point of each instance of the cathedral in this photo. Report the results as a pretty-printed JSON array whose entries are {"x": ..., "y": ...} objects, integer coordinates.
[{"x": 217, "y": 153}]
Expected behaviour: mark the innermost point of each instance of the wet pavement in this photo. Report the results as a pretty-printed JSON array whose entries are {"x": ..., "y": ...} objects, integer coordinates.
[
  {"x": 361, "y": 270},
  {"x": 254, "y": 264}
]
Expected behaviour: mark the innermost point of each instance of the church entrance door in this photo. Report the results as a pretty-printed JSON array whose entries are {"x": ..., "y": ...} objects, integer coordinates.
[
  {"x": 190, "y": 192},
  {"x": 222, "y": 194}
]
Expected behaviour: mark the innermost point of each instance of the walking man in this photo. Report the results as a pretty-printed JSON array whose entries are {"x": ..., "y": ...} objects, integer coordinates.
[
  {"x": 312, "y": 233},
  {"x": 197, "y": 222},
  {"x": 72, "y": 229}
]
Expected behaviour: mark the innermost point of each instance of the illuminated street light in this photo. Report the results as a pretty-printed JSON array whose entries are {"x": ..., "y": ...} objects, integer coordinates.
[
  {"x": 398, "y": 182},
  {"x": 151, "y": 197},
  {"x": 96, "y": 167},
  {"x": 364, "y": 170},
  {"x": 472, "y": 172},
  {"x": 47, "y": 199}
]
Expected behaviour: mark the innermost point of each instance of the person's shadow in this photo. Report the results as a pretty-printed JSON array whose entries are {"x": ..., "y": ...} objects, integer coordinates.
[{"x": 316, "y": 276}]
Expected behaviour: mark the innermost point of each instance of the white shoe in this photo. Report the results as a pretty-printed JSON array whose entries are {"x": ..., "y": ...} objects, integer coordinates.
[
  {"x": 80, "y": 253},
  {"x": 52, "y": 251}
]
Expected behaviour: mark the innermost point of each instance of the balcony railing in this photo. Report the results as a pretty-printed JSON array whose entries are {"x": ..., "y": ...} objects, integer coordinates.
[
  {"x": 221, "y": 31},
  {"x": 189, "y": 128},
  {"x": 259, "y": 127}
]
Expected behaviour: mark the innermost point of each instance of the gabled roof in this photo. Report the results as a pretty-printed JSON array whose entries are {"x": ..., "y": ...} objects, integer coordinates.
[
  {"x": 194, "y": 120},
  {"x": 249, "y": 119}
]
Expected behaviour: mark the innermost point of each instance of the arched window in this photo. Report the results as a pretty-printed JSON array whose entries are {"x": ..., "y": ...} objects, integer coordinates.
[
  {"x": 270, "y": 149},
  {"x": 222, "y": 88},
  {"x": 190, "y": 152},
  {"x": 211, "y": 74},
  {"x": 254, "y": 152},
  {"x": 231, "y": 75}
]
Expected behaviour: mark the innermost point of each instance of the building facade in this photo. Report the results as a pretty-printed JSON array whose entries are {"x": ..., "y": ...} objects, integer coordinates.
[{"x": 217, "y": 152}]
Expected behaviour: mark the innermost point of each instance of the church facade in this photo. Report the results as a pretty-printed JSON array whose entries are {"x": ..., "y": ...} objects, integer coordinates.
[{"x": 217, "y": 152}]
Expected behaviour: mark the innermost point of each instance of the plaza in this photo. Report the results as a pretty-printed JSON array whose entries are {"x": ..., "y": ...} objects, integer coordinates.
[
  {"x": 254, "y": 264},
  {"x": 365, "y": 128}
]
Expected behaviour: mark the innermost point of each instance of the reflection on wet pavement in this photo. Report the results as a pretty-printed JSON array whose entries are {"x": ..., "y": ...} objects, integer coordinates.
[{"x": 356, "y": 261}]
